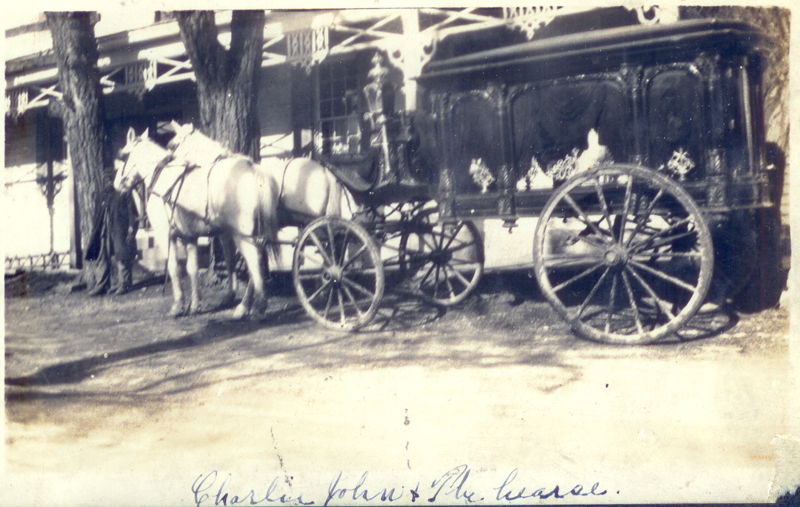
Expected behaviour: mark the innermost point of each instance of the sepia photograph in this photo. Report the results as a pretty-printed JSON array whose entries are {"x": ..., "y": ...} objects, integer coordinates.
[{"x": 395, "y": 254}]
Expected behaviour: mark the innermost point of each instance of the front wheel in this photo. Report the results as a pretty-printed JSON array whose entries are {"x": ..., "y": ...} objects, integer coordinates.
[
  {"x": 623, "y": 254},
  {"x": 337, "y": 273},
  {"x": 442, "y": 261}
]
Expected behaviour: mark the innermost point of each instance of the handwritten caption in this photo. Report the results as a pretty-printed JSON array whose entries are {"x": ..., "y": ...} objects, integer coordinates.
[{"x": 453, "y": 486}]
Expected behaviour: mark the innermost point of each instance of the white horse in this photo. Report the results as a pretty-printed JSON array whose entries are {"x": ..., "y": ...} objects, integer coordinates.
[
  {"x": 226, "y": 196},
  {"x": 304, "y": 188}
]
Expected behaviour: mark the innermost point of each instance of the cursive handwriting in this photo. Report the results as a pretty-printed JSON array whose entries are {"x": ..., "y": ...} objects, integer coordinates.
[
  {"x": 455, "y": 486},
  {"x": 509, "y": 494},
  {"x": 203, "y": 488},
  {"x": 359, "y": 492}
]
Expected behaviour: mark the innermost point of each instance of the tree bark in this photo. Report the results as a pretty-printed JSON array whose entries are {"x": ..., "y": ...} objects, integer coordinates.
[
  {"x": 227, "y": 79},
  {"x": 81, "y": 109}
]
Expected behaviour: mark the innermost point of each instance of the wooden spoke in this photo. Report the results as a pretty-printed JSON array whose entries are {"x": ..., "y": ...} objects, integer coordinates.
[
  {"x": 357, "y": 286},
  {"x": 584, "y": 218},
  {"x": 331, "y": 241},
  {"x": 460, "y": 277},
  {"x": 579, "y": 276},
  {"x": 317, "y": 292},
  {"x": 664, "y": 241},
  {"x": 320, "y": 248},
  {"x": 632, "y": 299},
  {"x": 452, "y": 237},
  {"x": 447, "y": 281},
  {"x": 352, "y": 299},
  {"x": 645, "y": 217},
  {"x": 589, "y": 241},
  {"x": 436, "y": 283},
  {"x": 310, "y": 257},
  {"x": 664, "y": 307},
  {"x": 603, "y": 204},
  {"x": 675, "y": 281},
  {"x": 353, "y": 257},
  {"x": 592, "y": 292},
  {"x": 626, "y": 205},
  {"x": 328, "y": 304},
  {"x": 661, "y": 232},
  {"x": 343, "y": 249},
  {"x": 666, "y": 255},
  {"x": 565, "y": 260},
  {"x": 610, "y": 310},
  {"x": 342, "y": 317}
]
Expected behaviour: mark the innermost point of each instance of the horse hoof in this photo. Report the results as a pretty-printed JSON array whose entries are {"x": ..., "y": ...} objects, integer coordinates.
[
  {"x": 175, "y": 311},
  {"x": 240, "y": 312}
]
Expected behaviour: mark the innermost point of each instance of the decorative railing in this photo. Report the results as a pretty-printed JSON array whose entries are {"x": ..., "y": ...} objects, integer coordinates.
[{"x": 37, "y": 262}]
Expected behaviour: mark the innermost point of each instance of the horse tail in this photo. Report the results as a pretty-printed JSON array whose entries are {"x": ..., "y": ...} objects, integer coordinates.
[{"x": 267, "y": 211}]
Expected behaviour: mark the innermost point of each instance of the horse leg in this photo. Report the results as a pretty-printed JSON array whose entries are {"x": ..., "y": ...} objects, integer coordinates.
[
  {"x": 246, "y": 303},
  {"x": 252, "y": 257},
  {"x": 193, "y": 269},
  {"x": 229, "y": 252},
  {"x": 174, "y": 269}
]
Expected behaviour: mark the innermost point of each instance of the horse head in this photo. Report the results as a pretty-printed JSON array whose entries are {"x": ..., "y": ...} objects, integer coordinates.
[
  {"x": 192, "y": 146},
  {"x": 181, "y": 133},
  {"x": 138, "y": 160}
]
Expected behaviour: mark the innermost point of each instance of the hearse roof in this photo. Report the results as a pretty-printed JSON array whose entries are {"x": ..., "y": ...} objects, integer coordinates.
[{"x": 706, "y": 33}]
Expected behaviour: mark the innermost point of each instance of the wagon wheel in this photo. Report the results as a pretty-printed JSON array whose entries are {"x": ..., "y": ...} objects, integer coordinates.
[
  {"x": 623, "y": 254},
  {"x": 337, "y": 273},
  {"x": 443, "y": 262}
]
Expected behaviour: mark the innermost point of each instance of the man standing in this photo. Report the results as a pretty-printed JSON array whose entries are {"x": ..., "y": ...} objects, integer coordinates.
[{"x": 114, "y": 231}]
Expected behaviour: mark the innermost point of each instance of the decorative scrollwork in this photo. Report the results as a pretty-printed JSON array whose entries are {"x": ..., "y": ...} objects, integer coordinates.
[
  {"x": 411, "y": 58},
  {"x": 481, "y": 174},
  {"x": 679, "y": 164},
  {"x": 535, "y": 178},
  {"x": 306, "y": 48},
  {"x": 531, "y": 18}
]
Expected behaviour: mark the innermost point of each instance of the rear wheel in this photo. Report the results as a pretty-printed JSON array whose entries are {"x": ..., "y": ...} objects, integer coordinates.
[
  {"x": 623, "y": 254},
  {"x": 337, "y": 273}
]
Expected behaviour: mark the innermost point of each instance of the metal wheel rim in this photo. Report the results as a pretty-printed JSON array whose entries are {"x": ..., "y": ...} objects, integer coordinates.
[
  {"x": 342, "y": 288},
  {"x": 658, "y": 302}
]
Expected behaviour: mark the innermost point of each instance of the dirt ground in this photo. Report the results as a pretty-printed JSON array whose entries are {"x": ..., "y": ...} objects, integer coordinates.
[{"x": 111, "y": 387}]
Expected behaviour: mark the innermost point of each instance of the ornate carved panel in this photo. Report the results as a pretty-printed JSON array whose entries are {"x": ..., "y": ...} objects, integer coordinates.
[
  {"x": 675, "y": 118},
  {"x": 474, "y": 139}
]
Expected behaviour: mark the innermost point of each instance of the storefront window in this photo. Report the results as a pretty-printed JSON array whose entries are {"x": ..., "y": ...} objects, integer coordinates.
[{"x": 340, "y": 109}]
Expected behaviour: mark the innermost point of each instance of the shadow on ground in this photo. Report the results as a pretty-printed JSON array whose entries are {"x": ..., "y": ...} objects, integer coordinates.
[{"x": 147, "y": 355}]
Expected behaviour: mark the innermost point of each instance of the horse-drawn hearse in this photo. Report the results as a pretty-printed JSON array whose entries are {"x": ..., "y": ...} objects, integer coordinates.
[{"x": 638, "y": 149}]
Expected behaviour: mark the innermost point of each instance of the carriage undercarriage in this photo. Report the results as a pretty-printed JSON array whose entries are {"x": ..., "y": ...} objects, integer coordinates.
[{"x": 622, "y": 253}]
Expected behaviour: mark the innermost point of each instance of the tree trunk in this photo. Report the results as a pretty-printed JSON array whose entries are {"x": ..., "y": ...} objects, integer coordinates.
[
  {"x": 227, "y": 79},
  {"x": 81, "y": 109}
]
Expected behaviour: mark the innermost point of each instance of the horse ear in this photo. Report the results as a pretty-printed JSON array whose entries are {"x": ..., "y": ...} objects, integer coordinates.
[
  {"x": 131, "y": 135},
  {"x": 146, "y": 133}
]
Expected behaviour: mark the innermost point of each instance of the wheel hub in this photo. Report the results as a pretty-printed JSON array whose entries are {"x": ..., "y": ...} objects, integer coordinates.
[
  {"x": 615, "y": 256},
  {"x": 334, "y": 273},
  {"x": 441, "y": 257}
]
